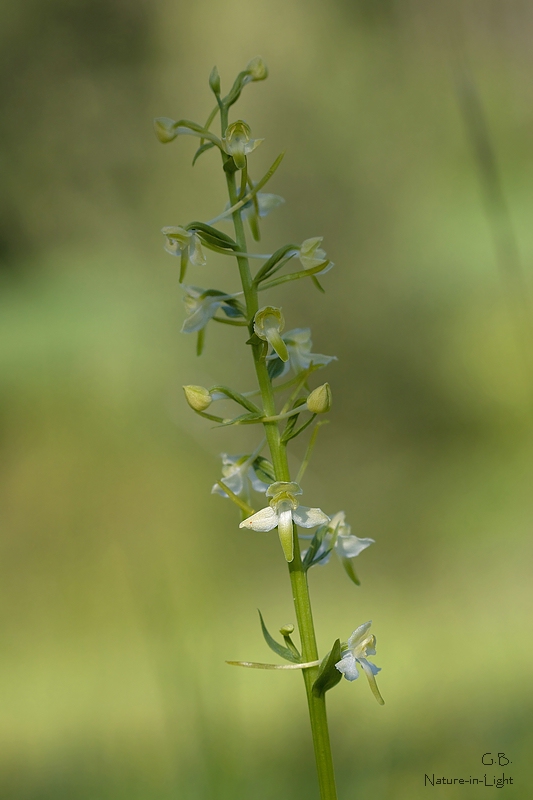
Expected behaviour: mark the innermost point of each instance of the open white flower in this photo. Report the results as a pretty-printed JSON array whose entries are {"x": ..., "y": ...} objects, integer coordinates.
[
  {"x": 311, "y": 255},
  {"x": 283, "y": 511},
  {"x": 298, "y": 342},
  {"x": 202, "y": 305},
  {"x": 186, "y": 246},
  {"x": 268, "y": 324},
  {"x": 339, "y": 536},
  {"x": 237, "y": 142},
  {"x": 265, "y": 204},
  {"x": 359, "y": 646},
  {"x": 239, "y": 475}
]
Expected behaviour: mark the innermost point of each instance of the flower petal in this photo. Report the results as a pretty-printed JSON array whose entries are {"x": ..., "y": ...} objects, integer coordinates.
[
  {"x": 348, "y": 666},
  {"x": 309, "y": 517},
  {"x": 198, "y": 319},
  {"x": 358, "y": 635},
  {"x": 196, "y": 254},
  {"x": 264, "y": 520},
  {"x": 351, "y": 546},
  {"x": 268, "y": 202}
]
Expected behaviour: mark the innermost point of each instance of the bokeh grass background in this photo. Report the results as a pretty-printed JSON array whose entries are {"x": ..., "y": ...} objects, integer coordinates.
[{"x": 124, "y": 584}]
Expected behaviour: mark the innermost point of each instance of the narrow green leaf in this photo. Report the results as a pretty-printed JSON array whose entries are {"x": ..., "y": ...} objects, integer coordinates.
[
  {"x": 242, "y": 419},
  {"x": 264, "y": 470},
  {"x": 292, "y": 276},
  {"x": 328, "y": 675},
  {"x": 237, "y": 397},
  {"x": 274, "y": 259},
  {"x": 299, "y": 430},
  {"x": 202, "y": 149},
  {"x": 318, "y": 284},
  {"x": 222, "y": 239},
  {"x": 279, "y": 649}
]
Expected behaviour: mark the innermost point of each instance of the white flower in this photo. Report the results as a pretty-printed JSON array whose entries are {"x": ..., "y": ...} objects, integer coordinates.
[
  {"x": 283, "y": 511},
  {"x": 339, "y": 537},
  {"x": 358, "y": 647},
  {"x": 298, "y": 342},
  {"x": 238, "y": 474},
  {"x": 237, "y": 142},
  {"x": 185, "y": 245},
  {"x": 202, "y": 305},
  {"x": 311, "y": 255},
  {"x": 265, "y": 204}
]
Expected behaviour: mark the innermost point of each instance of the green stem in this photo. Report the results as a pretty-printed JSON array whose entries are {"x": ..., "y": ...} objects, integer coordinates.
[{"x": 298, "y": 577}]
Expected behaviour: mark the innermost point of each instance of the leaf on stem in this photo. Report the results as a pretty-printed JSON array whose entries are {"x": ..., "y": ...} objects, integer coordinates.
[
  {"x": 328, "y": 675},
  {"x": 277, "y": 648},
  {"x": 202, "y": 149}
]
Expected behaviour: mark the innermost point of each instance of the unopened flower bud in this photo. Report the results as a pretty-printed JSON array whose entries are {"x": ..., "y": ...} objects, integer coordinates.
[
  {"x": 257, "y": 68},
  {"x": 214, "y": 81},
  {"x": 287, "y": 630},
  {"x": 197, "y": 397},
  {"x": 165, "y": 129},
  {"x": 319, "y": 401}
]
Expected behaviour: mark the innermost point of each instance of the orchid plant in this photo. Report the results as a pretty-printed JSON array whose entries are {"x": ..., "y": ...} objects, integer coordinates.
[{"x": 276, "y": 356}]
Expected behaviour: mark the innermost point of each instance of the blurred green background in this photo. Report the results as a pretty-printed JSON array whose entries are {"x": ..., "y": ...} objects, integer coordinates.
[{"x": 125, "y": 584}]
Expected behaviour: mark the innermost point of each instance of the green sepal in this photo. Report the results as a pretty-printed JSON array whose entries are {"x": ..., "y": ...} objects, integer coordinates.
[
  {"x": 202, "y": 149},
  {"x": 310, "y": 557},
  {"x": 264, "y": 470},
  {"x": 277, "y": 648},
  {"x": 328, "y": 674},
  {"x": 348, "y": 566}
]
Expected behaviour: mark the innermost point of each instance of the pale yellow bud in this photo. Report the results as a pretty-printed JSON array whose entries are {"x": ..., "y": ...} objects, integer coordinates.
[
  {"x": 197, "y": 397},
  {"x": 319, "y": 401},
  {"x": 257, "y": 68}
]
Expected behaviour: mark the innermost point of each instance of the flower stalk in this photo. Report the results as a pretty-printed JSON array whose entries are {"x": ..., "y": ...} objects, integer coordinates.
[{"x": 274, "y": 354}]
